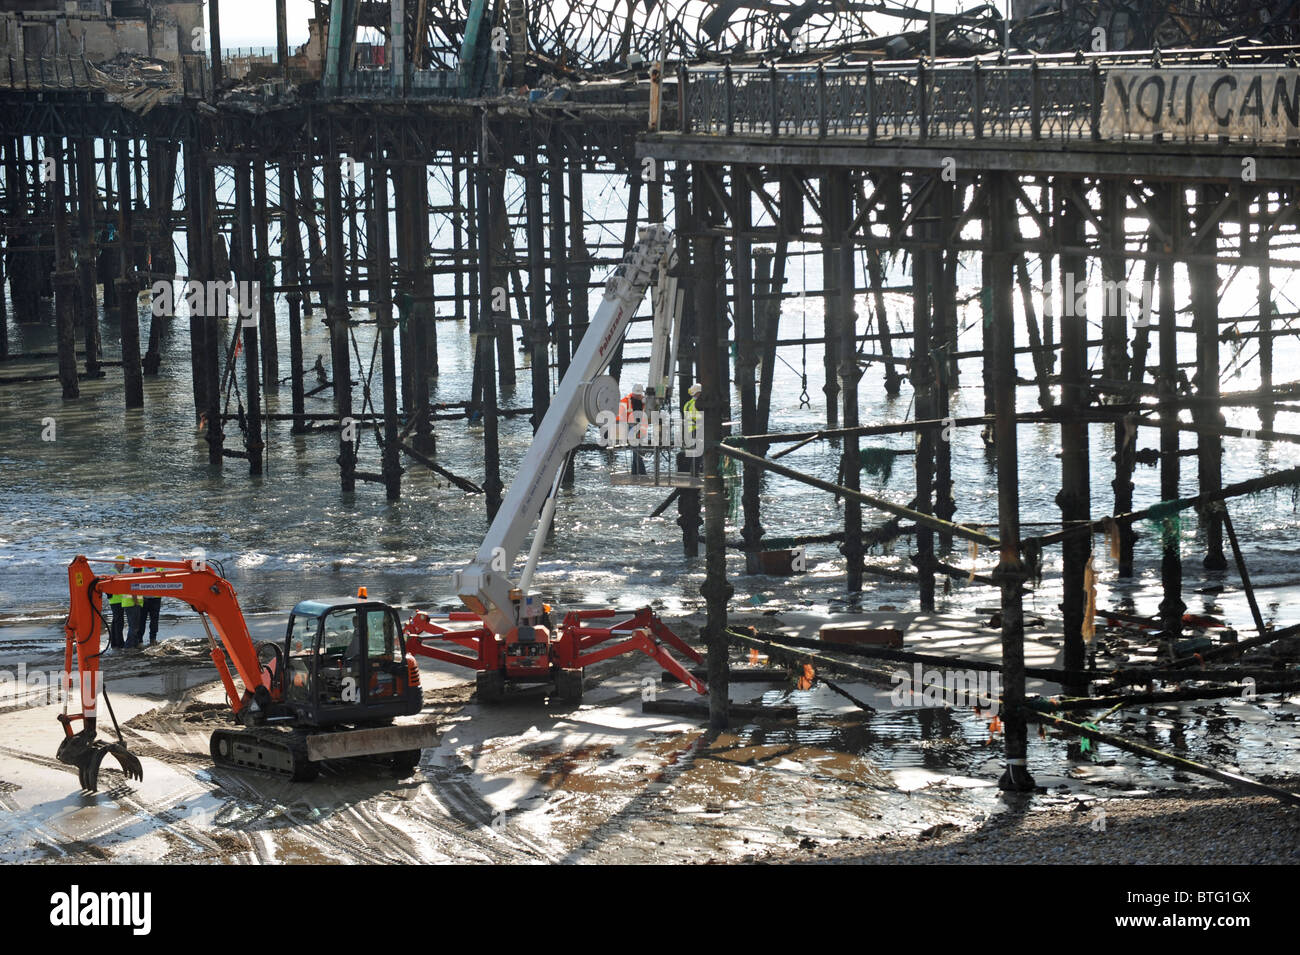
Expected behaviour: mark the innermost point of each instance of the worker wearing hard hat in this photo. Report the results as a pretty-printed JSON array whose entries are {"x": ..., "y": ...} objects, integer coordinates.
[
  {"x": 118, "y": 604},
  {"x": 691, "y": 414},
  {"x": 691, "y": 425},
  {"x": 632, "y": 405}
]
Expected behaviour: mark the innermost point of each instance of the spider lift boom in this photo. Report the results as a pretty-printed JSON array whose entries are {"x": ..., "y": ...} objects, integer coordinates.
[{"x": 509, "y": 633}]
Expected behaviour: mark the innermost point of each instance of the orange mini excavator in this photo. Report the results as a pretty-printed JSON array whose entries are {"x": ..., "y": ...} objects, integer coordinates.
[{"x": 330, "y": 689}]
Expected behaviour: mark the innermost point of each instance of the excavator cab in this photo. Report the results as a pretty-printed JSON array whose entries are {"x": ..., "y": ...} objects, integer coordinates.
[{"x": 345, "y": 662}]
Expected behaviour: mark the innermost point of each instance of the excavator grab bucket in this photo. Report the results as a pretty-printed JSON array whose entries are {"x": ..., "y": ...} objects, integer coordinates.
[{"x": 87, "y": 753}]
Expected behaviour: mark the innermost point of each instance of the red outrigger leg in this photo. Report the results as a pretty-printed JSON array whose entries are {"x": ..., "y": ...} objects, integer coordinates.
[{"x": 577, "y": 646}]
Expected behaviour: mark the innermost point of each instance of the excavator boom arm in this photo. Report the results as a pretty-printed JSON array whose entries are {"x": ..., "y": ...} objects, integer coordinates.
[{"x": 193, "y": 582}]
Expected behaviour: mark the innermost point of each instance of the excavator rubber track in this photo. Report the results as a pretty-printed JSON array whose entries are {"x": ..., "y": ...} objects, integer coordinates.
[{"x": 279, "y": 751}]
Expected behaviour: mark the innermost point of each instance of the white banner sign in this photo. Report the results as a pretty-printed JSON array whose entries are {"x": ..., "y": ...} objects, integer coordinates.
[{"x": 1262, "y": 105}]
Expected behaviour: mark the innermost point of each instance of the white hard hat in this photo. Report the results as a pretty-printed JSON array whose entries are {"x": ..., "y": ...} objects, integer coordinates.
[
  {"x": 638, "y": 389},
  {"x": 695, "y": 389}
]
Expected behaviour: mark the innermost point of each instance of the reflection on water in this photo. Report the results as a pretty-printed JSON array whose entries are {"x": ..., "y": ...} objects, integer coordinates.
[{"x": 1256, "y": 736}]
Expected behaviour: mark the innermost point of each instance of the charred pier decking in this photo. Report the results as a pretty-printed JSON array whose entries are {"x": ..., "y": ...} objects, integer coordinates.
[{"x": 1015, "y": 161}]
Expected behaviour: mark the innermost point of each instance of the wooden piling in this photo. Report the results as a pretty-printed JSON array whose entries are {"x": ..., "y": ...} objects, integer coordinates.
[
  {"x": 127, "y": 310},
  {"x": 87, "y": 250},
  {"x": 943, "y": 348},
  {"x": 264, "y": 275},
  {"x": 850, "y": 373},
  {"x": 557, "y": 219},
  {"x": 245, "y": 272},
  {"x": 290, "y": 269},
  {"x": 485, "y": 335},
  {"x": 458, "y": 224},
  {"x": 6, "y": 240},
  {"x": 499, "y": 280},
  {"x": 338, "y": 319},
  {"x": 206, "y": 219},
  {"x": 742, "y": 276},
  {"x": 381, "y": 294},
  {"x": 1115, "y": 357},
  {"x": 65, "y": 276},
  {"x": 876, "y": 277},
  {"x": 688, "y": 501},
  {"x": 1074, "y": 498},
  {"x": 988, "y": 349},
  {"x": 412, "y": 210},
  {"x": 26, "y": 276},
  {"x": 538, "y": 334},
  {"x": 1172, "y": 607},
  {"x": 195, "y": 239},
  {"x": 312, "y": 264},
  {"x": 712, "y": 363},
  {"x": 830, "y": 308},
  {"x": 579, "y": 272},
  {"x": 769, "y": 272},
  {"x": 923, "y": 385},
  {"x": 424, "y": 279},
  {"x": 1010, "y": 571},
  {"x": 1205, "y": 319},
  {"x": 1265, "y": 303},
  {"x": 163, "y": 301}
]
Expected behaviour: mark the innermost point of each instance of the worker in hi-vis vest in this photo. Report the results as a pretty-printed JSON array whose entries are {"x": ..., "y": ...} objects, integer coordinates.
[
  {"x": 632, "y": 405},
  {"x": 691, "y": 422},
  {"x": 134, "y": 620},
  {"x": 118, "y": 604}
]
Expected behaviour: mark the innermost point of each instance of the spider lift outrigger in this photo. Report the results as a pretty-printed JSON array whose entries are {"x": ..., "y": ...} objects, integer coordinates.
[{"x": 507, "y": 630}]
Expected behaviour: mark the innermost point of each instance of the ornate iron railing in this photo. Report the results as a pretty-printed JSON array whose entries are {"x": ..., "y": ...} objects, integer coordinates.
[{"x": 1020, "y": 99}]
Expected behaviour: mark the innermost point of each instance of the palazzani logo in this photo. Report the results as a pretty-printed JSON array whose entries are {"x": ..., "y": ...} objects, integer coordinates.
[{"x": 77, "y": 908}]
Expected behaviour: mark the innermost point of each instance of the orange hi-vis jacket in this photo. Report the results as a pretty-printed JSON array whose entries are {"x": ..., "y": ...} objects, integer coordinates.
[{"x": 630, "y": 405}]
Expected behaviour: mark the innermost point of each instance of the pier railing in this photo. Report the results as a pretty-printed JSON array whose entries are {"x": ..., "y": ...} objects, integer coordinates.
[
  {"x": 1020, "y": 99},
  {"x": 915, "y": 101}
]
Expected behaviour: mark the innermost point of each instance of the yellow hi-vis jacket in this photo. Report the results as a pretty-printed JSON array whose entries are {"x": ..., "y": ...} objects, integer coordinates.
[{"x": 692, "y": 416}]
